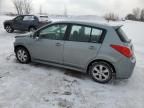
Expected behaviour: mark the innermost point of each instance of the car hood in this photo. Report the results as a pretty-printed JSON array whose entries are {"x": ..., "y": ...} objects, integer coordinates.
[
  {"x": 23, "y": 35},
  {"x": 7, "y": 21},
  {"x": 20, "y": 36}
]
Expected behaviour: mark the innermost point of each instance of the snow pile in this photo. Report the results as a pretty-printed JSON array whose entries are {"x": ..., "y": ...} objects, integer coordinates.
[{"x": 42, "y": 86}]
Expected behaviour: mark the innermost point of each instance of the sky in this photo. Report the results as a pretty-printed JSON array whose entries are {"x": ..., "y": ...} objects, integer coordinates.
[{"x": 79, "y": 7}]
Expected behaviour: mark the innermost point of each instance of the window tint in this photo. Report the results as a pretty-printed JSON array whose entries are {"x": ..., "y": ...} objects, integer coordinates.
[
  {"x": 96, "y": 35},
  {"x": 54, "y": 32},
  {"x": 28, "y": 18},
  {"x": 36, "y": 18},
  {"x": 19, "y": 18},
  {"x": 80, "y": 33},
  {"x": 123, "y": 37}
]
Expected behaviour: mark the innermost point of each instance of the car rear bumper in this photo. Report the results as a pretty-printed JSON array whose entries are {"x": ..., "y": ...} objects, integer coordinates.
[{"x": 125, "y": 68}]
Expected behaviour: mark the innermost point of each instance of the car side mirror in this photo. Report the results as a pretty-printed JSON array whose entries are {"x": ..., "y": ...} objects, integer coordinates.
[
  {"x": 36, "y": 35},
  {"x": 37, "y": 38},
  {"x": 14, "y": 20},
  {"x": 31, "y": 34}
]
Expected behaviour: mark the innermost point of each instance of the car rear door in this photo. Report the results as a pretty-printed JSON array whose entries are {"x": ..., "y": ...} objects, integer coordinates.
[
  {"x": 49, "y": 46},
  {"x": 27, "y": 22},
  {"x": 82, "y": 45}
]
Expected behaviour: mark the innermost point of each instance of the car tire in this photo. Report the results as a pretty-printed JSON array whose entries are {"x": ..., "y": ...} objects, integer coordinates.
[
  {"x": 9, "y": 29},
  {"x": 101, "y": 72},
  {"x": 22, "y": 55},
  {"x": 32, "y": 29}
]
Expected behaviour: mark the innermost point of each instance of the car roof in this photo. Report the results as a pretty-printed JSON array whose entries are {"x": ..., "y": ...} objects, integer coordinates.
[
  {"x": 117, "y": 27},
  {"x": 28, "y": 15},
  {"x": 87, "y": 23}
]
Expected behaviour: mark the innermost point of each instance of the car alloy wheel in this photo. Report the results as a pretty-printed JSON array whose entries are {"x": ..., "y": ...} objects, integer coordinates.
[
  {"x": 101, "y": 72},
  {"x": 9, "y": 29},
  {"x": 32, "y": 29},
  {"x": 22, "y": 55}
]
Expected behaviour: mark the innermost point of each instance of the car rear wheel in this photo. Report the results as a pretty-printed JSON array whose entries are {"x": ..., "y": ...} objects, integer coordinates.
[
  {"x": 101, "y": 72},
  {"x": 9, "y": 29},
  {"x": 32, "y": 29},
  {"x": 22, "y": 55}
]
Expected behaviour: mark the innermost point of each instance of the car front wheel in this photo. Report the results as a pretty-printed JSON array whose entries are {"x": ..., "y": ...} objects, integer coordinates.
[
  {"x": 101, "y": 72},
  {"x": 9, "y": 29},
  {"x": 22, "y": 55}
]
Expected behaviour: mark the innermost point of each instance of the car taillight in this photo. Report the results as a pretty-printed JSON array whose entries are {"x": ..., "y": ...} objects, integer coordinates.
[{"x": 123, "y": 50}]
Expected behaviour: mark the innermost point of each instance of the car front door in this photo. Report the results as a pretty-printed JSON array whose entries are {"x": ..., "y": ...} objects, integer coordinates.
[
  {"x": 17, "y": 23},
  {"x": 49, "y": 46},
  {"x": 82, "y": 46}
]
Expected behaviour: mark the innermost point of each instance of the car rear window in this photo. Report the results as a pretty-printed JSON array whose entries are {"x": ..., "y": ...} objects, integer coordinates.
[{"x": 123, "y": 37}]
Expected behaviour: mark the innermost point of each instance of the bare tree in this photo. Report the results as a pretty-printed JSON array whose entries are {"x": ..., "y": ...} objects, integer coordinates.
[
  {"x": 18, "y": 4},
  {"x": 130, "y": 17},
  {"x": 22, "y": 6},
  {"x": 27, "y": 6},
  {"x": 111, "y": 16},
  {"x": 142, "y": 15},
  {"x": 136, "y": 13}
]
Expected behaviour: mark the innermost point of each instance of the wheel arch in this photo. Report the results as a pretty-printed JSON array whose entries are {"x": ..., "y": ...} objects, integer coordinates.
[
  {"x": 6, "y": 24},
  {"x": 101, "y": 60},
  {"x": 31, "y": 27},
  {"x": 19, "y": 46}
]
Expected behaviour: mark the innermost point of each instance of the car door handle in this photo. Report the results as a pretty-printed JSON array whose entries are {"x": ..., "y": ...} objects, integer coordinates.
[
  {"x": 92, "y": 47},
  {"x": 58, "y": 44}
]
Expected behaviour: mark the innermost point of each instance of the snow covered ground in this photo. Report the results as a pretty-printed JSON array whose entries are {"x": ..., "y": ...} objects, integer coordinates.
[{"x": 42, "y": 86}]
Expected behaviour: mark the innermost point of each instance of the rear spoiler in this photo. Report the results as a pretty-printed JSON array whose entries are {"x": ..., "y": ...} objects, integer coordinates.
[{"x": 117, "y": 27}]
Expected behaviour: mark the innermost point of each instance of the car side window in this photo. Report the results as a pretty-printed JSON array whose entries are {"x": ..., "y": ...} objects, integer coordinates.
[
  {"x": 36, "y": 18},
  {"x": 80, "y": 33},
  {"x": 96, "y": 35},
  {"x": 28, "y": 18},
  {"x": 19, "y": 18},
  {"x": 54, "y": 32}
]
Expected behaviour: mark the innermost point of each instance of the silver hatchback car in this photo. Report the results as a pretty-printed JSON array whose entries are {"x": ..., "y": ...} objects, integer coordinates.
[{"x": 102, "y": 51}]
